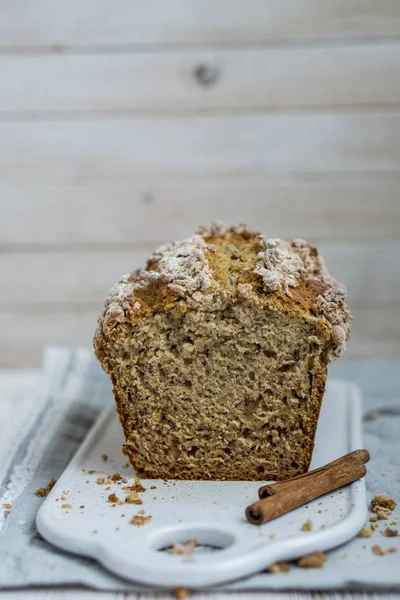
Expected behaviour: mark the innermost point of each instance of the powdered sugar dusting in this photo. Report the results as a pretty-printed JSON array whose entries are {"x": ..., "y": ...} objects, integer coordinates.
[
  {"x": 282, "y": 265},
  {"x": 313, "y": 263},
  {"x": 245, "y": 290},
  {"x": 219, "y": 229},
  {"x": 332, "y": 304},
  {"x": 181, "y": 265},
  {"x": 279, "y": 266}
]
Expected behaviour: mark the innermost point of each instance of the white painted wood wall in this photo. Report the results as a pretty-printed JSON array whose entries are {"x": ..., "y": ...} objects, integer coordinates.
[{"x": 126, "y": 123}]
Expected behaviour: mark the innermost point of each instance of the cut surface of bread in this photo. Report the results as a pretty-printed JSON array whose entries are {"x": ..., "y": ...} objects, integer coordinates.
[{"x": 218, "y": 355}]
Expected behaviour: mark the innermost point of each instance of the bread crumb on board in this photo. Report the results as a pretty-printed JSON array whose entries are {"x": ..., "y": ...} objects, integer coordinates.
[
  {"x": 112, "y": 498},
  {"x": 140, "y": 520},
  {"x": 187, "y": 548},
  {"x": 43, "y": 491},
  {"x": 136, "y": 487},
  {"x": 279, "y": 567},
  {"x": 133, "y": 498},
  {"x": 377, "y": 549},
  {"x": 103, "y": 481},
  {"x": 316, "y": 560},
  {"x": 307, "y": 525},
  {"x": 118, "y": 477}
]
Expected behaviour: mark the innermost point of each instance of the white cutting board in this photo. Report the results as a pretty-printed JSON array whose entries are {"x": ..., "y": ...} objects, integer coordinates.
[{"x": 210, "y": 512}]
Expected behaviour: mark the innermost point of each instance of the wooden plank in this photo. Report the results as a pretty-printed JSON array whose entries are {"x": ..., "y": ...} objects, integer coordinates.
[
  {"x": 367, "y": 74},
  {"x": 250, "y": 143},
  {"x": 54, "y": 23},
  {"x": 113, "y": 212},
  {"x": 371, "y": 272},
  {"x": 375, "y": 333},
  {"x": 25, "y": 334}
]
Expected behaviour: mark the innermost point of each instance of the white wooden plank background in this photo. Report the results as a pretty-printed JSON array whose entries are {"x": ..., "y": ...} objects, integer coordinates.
[
  {"x": 92, "y": 212},
  {"x": 44, "y": 23},
  {"x": 357, "y": 75},
  {"x": 111, "y": 142},
  {"x": 254, "y": 143}
]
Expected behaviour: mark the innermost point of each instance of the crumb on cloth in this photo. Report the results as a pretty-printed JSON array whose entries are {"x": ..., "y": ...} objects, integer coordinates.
[
  {"x": 377, "y": 549},
  {"x": 316, "y": 560},
  {"x": 365, "y": 532},
  {"x": 391, "y": 532},
  {"x": 140, "y": 520},
  {"x": 43, "y": 491},
  {"x": 382, "y": 505},
  {"x": 384, "y": 501},
  {"x": 372, "y": 416},
  {"x": 281, "y": 566}
]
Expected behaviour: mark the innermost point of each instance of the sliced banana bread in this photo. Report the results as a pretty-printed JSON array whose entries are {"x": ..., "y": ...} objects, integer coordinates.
[{"x": 218, "y": 355}]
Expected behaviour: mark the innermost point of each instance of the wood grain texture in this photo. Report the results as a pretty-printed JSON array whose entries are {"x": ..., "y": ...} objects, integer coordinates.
[
  {"x": 54, "y": 23},
  {"x": 370, "y": 271},
  {"x": 360, "y": 75},
  {"x": 24, "y": 334},
  {"x": 111, "y": 143},
  {"x": 114, "y": 213},
  {"x": 255, "y": 143}
]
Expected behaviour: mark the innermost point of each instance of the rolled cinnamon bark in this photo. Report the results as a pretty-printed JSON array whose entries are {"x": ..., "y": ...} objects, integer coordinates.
[
  {"x": 274, "y": 488},
  {"x": 305, "y": 489}
]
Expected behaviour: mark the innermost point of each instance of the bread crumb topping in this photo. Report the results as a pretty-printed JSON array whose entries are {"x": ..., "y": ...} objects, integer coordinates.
[
  {"x": 187, "y": 270},
  {"x": 279, "y": 266},
  {"x": 182, "y": 266},
  {"x": 43, "y": 491}
]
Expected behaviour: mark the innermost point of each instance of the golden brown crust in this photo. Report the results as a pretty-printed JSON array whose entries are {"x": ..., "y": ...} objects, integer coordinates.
[{"x": 231, "y": 258}]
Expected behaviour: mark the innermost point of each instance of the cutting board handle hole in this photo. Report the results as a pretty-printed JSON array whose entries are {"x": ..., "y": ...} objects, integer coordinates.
[{"x": 192, "y": 540}]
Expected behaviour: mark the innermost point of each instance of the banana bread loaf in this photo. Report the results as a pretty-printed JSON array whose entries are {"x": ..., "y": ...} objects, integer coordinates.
[{"x": 218, "y": 355}]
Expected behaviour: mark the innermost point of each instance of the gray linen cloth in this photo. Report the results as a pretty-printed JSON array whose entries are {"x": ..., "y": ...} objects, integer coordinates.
[{"x": 74, "y": 392}]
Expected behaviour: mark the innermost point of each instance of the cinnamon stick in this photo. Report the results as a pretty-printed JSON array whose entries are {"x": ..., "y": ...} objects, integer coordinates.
[
  {"x": 281, "y": 486},
  {"x": 302, "y": 490}
]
